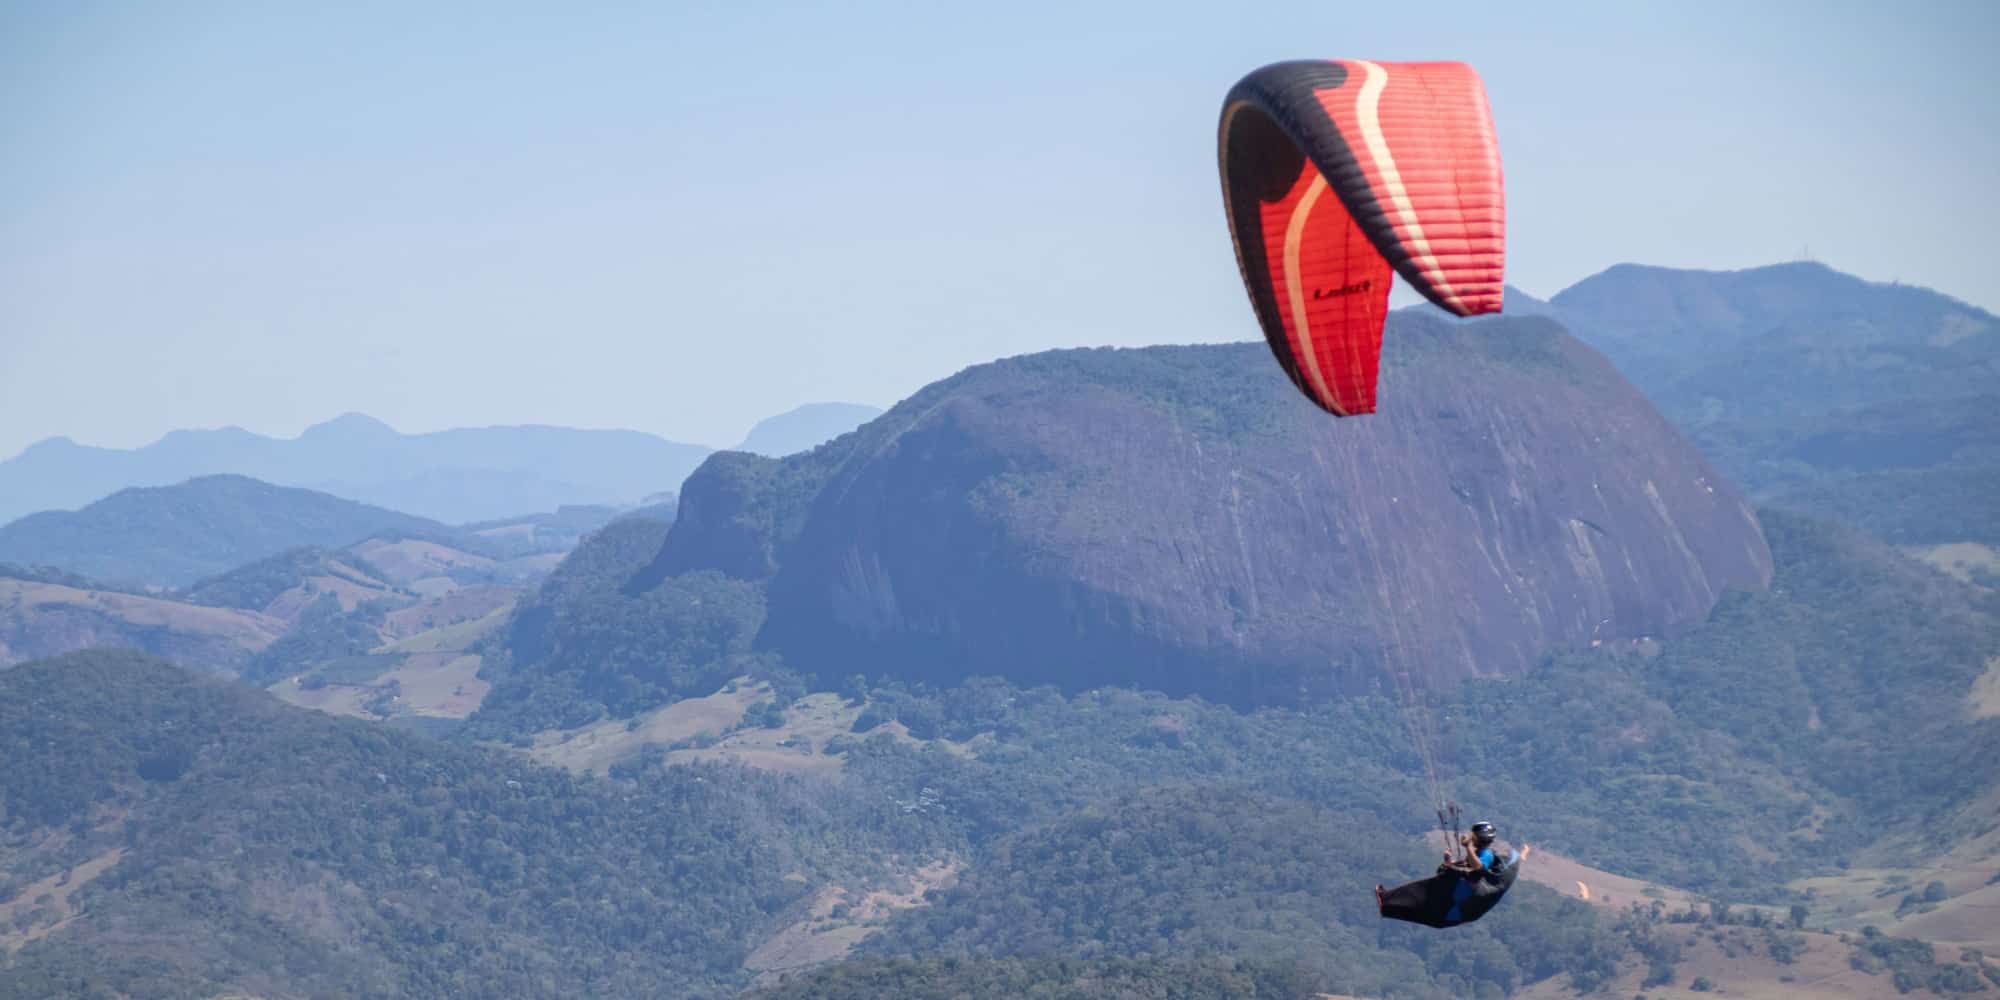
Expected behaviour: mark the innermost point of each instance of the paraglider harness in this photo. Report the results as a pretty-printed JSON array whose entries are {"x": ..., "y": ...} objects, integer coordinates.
[{"x": 1460, "y": 892}]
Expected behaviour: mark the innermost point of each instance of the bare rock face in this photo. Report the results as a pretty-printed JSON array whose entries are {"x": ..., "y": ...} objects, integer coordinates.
[
  {"x": 1181, "y": 519},
  {"x": 724, "y": 521}
]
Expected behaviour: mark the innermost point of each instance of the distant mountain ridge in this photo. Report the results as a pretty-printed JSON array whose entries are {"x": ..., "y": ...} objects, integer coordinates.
[
  {"x": 1842, "y": 341},
  {"x": 805, "y": 427},
  {"x": 174, "y": 535},
  {"x": 1815, "y": 389},
  {"x": 231, "y": 574},
  {"x": 453, "y": 476}
]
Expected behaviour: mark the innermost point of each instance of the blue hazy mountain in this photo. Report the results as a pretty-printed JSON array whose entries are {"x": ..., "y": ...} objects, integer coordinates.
[
  {"x": 1815, "y": 389},
  {"x": 174, "y": 535},
  {"x": 454, "y": 476},
  {"x": 805, "y": 428}
]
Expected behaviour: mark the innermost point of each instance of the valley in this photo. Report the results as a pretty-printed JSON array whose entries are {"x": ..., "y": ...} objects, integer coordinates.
[{"x": 1084, "y": 670}]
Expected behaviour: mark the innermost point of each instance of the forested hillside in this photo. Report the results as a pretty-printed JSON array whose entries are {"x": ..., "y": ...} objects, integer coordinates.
[{"x": 234, "y": 844}]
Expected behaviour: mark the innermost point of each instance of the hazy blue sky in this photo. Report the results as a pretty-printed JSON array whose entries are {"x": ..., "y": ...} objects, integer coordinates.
[{"x": 682, "y": 217}]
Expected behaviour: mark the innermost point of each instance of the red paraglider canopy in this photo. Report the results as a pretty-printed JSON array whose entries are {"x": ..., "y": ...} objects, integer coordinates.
[{"x": 1333, "y": 174}]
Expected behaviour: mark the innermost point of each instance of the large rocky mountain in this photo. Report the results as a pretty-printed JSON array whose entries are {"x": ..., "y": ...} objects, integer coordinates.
[
  {"x": 1179, "y": 518},
  {"x": 466, "y": 474}
]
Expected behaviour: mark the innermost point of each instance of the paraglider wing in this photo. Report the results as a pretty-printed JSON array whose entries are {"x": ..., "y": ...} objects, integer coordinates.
[
  {"x": 1450, "y": 898},
  {"x": 1336, "y": 173}
]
